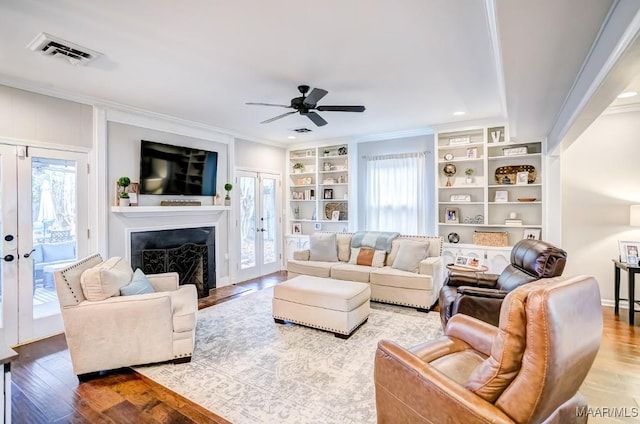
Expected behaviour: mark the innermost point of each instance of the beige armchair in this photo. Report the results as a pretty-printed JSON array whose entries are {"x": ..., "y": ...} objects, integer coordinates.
[
  {"x": 121, "y": 331},
  {"x": 526, "y": 370}
]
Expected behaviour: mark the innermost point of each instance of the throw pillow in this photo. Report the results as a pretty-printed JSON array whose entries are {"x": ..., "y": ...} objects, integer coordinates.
[
  {"x": 139, "y": 285},
  {"x": 322, "y": 247},
  {"x": 344, "y": 246},
  {"x": 104, "y": 280},
  {"x": 367, "y": 256},
  {"x": 410, "y": 253}
]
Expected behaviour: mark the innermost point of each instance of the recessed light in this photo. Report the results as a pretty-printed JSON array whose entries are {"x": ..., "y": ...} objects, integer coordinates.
[
  {"x": 627, "y": 94},
  {"x": 292, "y": 137},
  {"x": 459, "y": 113}
]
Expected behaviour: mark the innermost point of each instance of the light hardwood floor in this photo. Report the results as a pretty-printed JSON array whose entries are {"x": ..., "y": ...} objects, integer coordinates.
[{"x": 45, "y": 390}]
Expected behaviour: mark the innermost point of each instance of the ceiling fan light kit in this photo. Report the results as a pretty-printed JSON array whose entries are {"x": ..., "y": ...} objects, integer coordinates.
[{"x": 305, "y": 105}]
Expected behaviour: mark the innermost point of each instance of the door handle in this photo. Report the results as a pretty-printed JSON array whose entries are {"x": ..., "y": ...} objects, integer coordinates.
[
  {"x": 9, "y": 258},
  {"x": 26, "y": 255}
]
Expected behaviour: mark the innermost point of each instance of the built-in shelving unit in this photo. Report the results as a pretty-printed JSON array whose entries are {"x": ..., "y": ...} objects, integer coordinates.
[
  {"x": 487, "y": 201},
  {"x": 318, "y": 185}
]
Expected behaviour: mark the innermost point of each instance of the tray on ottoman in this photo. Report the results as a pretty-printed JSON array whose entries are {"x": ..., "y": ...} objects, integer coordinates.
[{"x": 333, "y": 305}]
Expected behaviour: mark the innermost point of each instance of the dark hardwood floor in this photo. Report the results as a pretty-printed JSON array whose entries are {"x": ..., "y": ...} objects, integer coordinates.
[{"x": 45, "y": 390}]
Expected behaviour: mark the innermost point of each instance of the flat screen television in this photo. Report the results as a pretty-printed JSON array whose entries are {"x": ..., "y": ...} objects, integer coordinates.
[{"x": 177, "y": 170}]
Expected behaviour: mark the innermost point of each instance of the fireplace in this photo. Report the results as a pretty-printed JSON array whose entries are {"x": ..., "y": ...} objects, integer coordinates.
[{"x": 188, "y": 251}]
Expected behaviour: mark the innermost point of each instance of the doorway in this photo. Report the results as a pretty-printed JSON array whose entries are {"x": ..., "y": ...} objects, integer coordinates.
[
  {"x": 43, "y": 228},
  {"x": 260, "y": 220}
]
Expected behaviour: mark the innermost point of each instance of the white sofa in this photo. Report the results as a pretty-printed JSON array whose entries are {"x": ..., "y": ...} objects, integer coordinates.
[{"x": 389, "y": 285}]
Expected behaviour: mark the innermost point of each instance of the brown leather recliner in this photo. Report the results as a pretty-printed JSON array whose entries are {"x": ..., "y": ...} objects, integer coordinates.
[
  {"x": 480, "y": 295},
  {"x": 527, "y": 370}
]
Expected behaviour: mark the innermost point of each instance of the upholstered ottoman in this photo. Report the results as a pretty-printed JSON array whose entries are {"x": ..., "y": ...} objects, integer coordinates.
[{"x": 332, "y": 305}]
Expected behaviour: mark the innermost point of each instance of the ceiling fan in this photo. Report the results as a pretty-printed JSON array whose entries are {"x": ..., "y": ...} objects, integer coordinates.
[{"x": 305, "y": 105}]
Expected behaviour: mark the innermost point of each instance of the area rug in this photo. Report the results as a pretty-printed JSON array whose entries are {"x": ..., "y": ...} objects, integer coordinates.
[{"x": 248, "y": 369}]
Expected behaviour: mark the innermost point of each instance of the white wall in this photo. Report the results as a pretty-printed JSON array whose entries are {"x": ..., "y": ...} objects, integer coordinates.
[
  {"x": 600, "y": 179},
  {"x": 423, "y": 143},
  {"x": 259, "y": 157},
  {"x": 123, "y": 159},
  {"x": 28, "y": 116}
]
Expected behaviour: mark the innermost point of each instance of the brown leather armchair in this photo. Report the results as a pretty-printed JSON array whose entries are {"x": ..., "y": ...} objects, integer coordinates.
[
  {"x": 480, "y": 295},
  {"x": 526, "y": 370}
]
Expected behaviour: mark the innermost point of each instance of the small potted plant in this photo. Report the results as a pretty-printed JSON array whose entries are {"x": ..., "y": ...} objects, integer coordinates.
[
  {"x": 227, "y": 198},
  {"x": 123, "y": 183},
  {"x": 469, "y": 173},
  {"x": 298, "y": 167}
]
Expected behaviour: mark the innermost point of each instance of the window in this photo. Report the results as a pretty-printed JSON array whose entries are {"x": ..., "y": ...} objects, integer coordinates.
[{"x": 396, "y": 195}]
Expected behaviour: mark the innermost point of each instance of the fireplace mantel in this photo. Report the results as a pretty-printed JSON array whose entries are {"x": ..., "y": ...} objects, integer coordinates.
[{"x": 151, "y": 211}]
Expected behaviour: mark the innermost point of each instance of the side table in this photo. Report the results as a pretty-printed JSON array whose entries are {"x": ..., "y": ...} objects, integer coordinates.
[{"x": 631, "y": 281}]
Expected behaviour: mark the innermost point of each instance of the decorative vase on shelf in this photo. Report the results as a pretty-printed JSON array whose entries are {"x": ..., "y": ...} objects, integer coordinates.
[
  {"x": 124, "y": 202},
  {"x": 227, "y": 201}
]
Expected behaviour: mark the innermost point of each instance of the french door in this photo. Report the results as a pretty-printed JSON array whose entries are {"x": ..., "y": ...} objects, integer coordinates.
[
  {"x": 42, "y": 231},
  {"x": 260, "y": 220}
]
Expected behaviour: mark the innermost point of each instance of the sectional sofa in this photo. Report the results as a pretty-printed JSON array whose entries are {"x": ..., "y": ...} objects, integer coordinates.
[{"x": 411, "y": 273}]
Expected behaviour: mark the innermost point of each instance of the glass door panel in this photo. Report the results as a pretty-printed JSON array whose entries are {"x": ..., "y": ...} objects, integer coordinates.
[
  {"x": 51, "y": 185},
  {"x": 268, "y": 221},
  {"x": 259, "y": 224},
  {"x": 248, "y": 237}
]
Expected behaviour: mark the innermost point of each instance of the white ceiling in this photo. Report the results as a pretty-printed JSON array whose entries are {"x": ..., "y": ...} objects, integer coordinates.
[{"x": 412, "y": 63}]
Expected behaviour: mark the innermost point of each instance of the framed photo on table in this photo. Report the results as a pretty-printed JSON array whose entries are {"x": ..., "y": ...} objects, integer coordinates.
[{"x": 629, "y": 249}]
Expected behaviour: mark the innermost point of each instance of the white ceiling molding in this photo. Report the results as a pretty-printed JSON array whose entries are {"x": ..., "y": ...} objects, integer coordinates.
[
  {"x": 615, "y": 39},
  {"x": 394, "y": 135},
  {"x": 494, "y": 32},
  {"x": 632, "y": 107}
]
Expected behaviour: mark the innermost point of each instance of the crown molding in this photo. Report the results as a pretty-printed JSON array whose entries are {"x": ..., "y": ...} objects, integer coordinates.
[
  {"x": 394, "y": 135},
  {"x": 117, "y": 111},
  {"x": 631, "y": 107}
]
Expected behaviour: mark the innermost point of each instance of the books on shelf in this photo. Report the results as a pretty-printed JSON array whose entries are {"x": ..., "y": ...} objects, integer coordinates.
[{"x": 513, "y": 222}]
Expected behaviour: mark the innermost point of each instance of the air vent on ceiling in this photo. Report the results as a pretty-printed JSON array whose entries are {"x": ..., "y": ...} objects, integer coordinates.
[
  {"x": 301, "y": 130},
  {"x": 57, "y": 47}
]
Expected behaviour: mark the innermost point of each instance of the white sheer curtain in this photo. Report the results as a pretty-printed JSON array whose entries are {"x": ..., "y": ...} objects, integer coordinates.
[{"x": 396, "y": 195}]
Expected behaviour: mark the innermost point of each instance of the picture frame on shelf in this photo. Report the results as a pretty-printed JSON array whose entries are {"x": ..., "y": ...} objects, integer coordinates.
[
  {"x": 294, "y": 195},
  {"x": 309, "y": 153},
  {"x": 531, "y": 234},
  {"x": 472, "y": 153},
  {"x": 512, "y": 151},
  {"x": 335, "y": 216},
  {"x": 452, "y": 216},
  {"x": 522, "y": 178},
  {"x": 460, "y": 198},
  {"x": 317, "y": 226},
  {"x": 296, "y": 228},
  {"x": 134, "y": 193},
  {"x": 501, "y": 196},
  {"x": 632, "y": 260},
  {"x": 328, "y": 193},
  {"x": 457, "y": 141}
]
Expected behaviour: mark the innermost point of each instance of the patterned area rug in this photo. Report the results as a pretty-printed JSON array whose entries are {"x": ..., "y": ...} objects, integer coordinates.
[{"x": 248, "y": 369}]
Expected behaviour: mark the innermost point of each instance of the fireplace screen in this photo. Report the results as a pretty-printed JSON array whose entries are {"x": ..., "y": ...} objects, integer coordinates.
[{"x": 190, "y": 252}]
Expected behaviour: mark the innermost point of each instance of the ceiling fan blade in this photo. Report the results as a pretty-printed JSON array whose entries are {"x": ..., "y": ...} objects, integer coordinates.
[
  {"x": 278, "y": 117},
  {"x": 317, "y": 119},
  {"x": 266, "y": 104},
  {"x": 315, "y": 95},
  {"x": 341, "y": 108}
]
